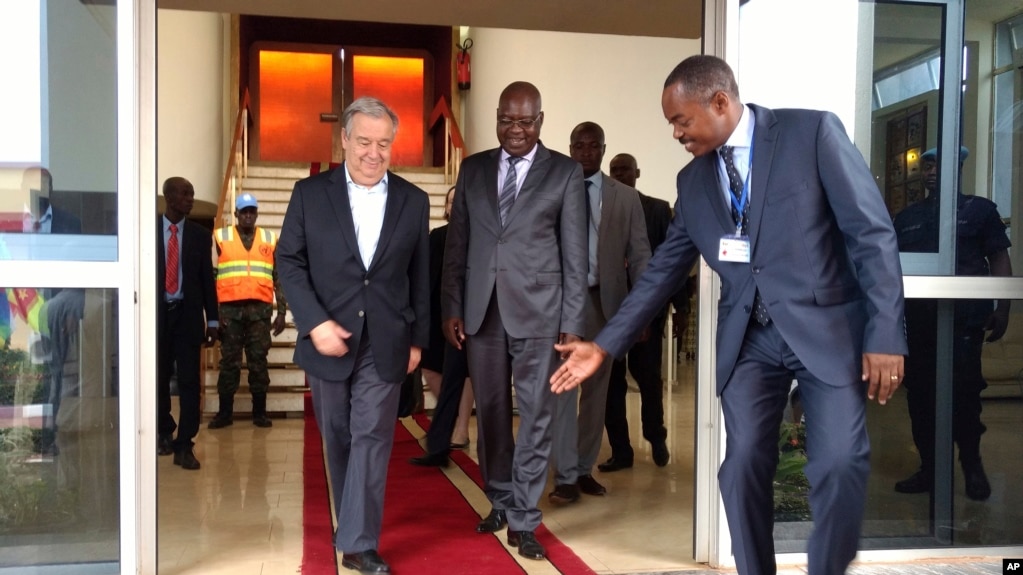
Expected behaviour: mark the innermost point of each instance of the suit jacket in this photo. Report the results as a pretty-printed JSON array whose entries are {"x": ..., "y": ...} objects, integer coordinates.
[
  {"x": 537, "y": 262},
  {"x": 623, "y": 248},
  {"x": 64, "y": 222},
  {"x": 824, "y": 253},
  {"x": 198, "y": 288},
  {"x": 324, "y": 277}
]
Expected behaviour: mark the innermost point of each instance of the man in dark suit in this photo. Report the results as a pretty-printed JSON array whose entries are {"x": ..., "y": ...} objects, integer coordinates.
[
  {"x": 811, "y": 289},
  {"x": 62, "y": 308},
  {"x": 448, "y": 365},
  {"x": 186, "y": 293},
  {"x": 618, "y": 252},
  {"x": 514, "y": 283},
  {"x": 644, "y": 357},
  {"x": 353, "y": 259}
]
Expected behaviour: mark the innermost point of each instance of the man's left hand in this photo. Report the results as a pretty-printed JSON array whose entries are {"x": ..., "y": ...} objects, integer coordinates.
[
  {"x": 884, "y": 373},
  {"x": 212, "y": 334},
  {"x": 278, "y": 324},
  {"x": 415, "y": 354}
]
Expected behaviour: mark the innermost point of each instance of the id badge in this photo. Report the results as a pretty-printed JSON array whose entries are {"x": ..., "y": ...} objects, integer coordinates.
[{"x": 734, "y": 248}]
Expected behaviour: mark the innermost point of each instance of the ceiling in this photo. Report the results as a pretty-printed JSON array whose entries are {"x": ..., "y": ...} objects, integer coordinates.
[{"x": 657, "y": 18}]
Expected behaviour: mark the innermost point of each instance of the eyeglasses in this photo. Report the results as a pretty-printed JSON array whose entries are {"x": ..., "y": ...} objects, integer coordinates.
[{"x": 524, "y": 124}]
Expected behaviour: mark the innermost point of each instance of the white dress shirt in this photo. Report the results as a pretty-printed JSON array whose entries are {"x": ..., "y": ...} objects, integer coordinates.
[{"x": 368, "y": 205}]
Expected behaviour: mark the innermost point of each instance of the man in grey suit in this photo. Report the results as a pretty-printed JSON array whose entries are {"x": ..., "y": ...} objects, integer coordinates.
[
  {"x": 514, "y": 284},
  {"x": 353, "y": 259},
  {"x": 618, "y": 253},
  {"x": 811, "y": 288}
]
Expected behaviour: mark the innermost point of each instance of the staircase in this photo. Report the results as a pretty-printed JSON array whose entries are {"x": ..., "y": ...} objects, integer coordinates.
[{"x": 272, "y": 184}]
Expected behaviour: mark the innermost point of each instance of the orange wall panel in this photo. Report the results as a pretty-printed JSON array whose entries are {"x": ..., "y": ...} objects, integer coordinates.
[
  {"x": 294, "y": 88},
  {"x": 399, "y": 83}
]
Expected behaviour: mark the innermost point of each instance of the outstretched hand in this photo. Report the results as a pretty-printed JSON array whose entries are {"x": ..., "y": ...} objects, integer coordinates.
[{"x": 581, "y": 360}]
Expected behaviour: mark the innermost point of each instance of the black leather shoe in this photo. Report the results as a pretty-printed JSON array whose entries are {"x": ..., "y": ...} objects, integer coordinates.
[
  {"x": 430, "y": 460},
  {"x": 614, "y": 464},
  {"x": 564, "y": 494},
  {"x": 164, "y": 445},
  {"x": 588, "y": 485},
  {"x": 977, "y": 486},
  {"x": 661, "y": 454},
  {"x": 919, "y": 482},
  {"x": 365, "y": 562},
  {"x": 262, "y": 420},
  {"x": 186, "y": 459},
  {"x": 220, "y": 421},
  {"x": 493, "y": 522},
  {"x": 528, "y": 546}
]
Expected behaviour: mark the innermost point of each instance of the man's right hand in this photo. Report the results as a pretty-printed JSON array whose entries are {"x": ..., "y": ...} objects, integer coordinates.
[
  {"x": 454, "y": 331},
  {"x": 581, "y": 360},
  {"x": 329, "y": 338}
]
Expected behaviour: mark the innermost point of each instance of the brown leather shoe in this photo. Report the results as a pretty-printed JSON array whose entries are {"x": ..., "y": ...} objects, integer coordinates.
[
  {"x": 564, "y": 494},
  {"x": 588, "y": 485}
]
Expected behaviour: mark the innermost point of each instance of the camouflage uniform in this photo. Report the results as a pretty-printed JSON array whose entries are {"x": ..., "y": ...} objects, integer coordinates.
[{"x": 246, "y": 325}]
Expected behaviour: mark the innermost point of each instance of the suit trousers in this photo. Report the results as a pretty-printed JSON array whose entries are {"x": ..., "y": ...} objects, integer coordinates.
[
  {"x": 579, "y": 414},
  {"x": 178, "y": 355},
  {"x": 514, "y": 470},
  {"x": 356, "y": 421},
  {"x": 445, "y": 414},
  {"x": 644, "y": 363},
  {"x": 838, "y": 450}
]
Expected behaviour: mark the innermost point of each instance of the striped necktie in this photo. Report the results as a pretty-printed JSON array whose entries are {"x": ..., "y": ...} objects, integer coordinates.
[{"x": 507, "y": 196}]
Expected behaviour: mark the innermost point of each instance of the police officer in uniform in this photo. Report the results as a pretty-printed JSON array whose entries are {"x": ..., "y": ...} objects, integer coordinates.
[
  {"x": 246, "y": 284},
  {"x": 982, "y": 249}
]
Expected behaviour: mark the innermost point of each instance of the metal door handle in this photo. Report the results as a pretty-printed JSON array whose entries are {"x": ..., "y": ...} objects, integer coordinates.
[{"x": 325, "y": 117}]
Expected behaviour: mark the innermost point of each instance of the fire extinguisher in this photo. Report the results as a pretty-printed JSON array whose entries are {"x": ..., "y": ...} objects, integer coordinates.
[{"x": 462, "y": 60}]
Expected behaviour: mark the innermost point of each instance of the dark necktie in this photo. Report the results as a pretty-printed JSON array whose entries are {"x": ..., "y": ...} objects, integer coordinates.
[
  {"x": 171, "y": 275},
  {"x": 507, "y": 196},
  {"x": 734, "y": 180},
  {"x": 735, "y": 184}
]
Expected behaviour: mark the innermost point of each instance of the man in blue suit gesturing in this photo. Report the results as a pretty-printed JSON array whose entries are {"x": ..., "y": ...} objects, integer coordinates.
[{"x": 783, "y": 207}]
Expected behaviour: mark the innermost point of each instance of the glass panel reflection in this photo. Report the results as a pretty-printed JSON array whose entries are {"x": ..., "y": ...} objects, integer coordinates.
[
  {"x": 58, "y": 194},
  {"x": 58, "y": 427},
  {"x": 959, "y": 446}
]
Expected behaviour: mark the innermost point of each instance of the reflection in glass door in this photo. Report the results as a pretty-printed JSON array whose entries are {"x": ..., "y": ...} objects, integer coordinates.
[{"x": 61, "y": 297}]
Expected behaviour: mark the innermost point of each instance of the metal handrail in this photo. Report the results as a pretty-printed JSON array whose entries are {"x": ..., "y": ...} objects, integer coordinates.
[
  {"x": 237, "y": 161},
  {"x": 454, "y": 147}
]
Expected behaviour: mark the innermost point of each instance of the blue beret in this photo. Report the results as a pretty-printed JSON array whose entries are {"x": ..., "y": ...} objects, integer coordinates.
[
  {"x": 964, "y": 153},
  {"x": 246, "y": 201}
]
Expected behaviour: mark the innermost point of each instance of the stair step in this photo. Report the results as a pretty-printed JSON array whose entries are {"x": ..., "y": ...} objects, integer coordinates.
[
  {"x": 279, "y": 184},
  {"x": 281, "y": 378},
  {"x": 280, "y": 355},
  {"x": 289, "y": 402}
]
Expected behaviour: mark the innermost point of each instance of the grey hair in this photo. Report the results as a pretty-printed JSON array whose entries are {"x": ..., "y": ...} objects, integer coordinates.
[
  {"x": 702, "y": 76},
  {"x": 371, "y": 107}
]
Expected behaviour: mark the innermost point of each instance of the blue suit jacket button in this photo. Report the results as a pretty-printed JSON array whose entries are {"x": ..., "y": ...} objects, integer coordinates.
[{"x": 746, "y": 308}]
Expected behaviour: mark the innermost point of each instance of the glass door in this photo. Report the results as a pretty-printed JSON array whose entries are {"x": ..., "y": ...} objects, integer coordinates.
[{"x": 67, "y": 309}]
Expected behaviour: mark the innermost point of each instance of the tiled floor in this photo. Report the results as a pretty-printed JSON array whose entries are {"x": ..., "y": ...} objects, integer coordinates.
[{"x": 242, "y": 512}]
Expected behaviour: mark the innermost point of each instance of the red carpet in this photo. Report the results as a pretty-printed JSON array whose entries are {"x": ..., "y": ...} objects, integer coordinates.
[
  {"x": 559, "y": 554},
  {"x": 428, "y": 525},
  {"x": 318, "y": 555}
]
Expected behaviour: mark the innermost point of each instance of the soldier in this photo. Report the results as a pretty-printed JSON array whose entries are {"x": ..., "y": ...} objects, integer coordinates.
[{"x": 246, "y": 284}]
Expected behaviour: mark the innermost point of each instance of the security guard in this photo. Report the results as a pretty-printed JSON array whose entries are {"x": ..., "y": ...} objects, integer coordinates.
[{"x": 246, "y": 284}]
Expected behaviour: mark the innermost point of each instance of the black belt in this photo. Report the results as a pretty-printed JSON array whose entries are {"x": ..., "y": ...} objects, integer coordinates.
[{"x": 174, "y": 304}]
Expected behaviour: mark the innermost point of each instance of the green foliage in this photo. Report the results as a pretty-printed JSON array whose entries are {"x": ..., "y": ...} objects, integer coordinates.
[
  {"x": 28, "y": 493},
  {"x": 16, "y": 369},
  {"x": 791, "y": 488}
]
